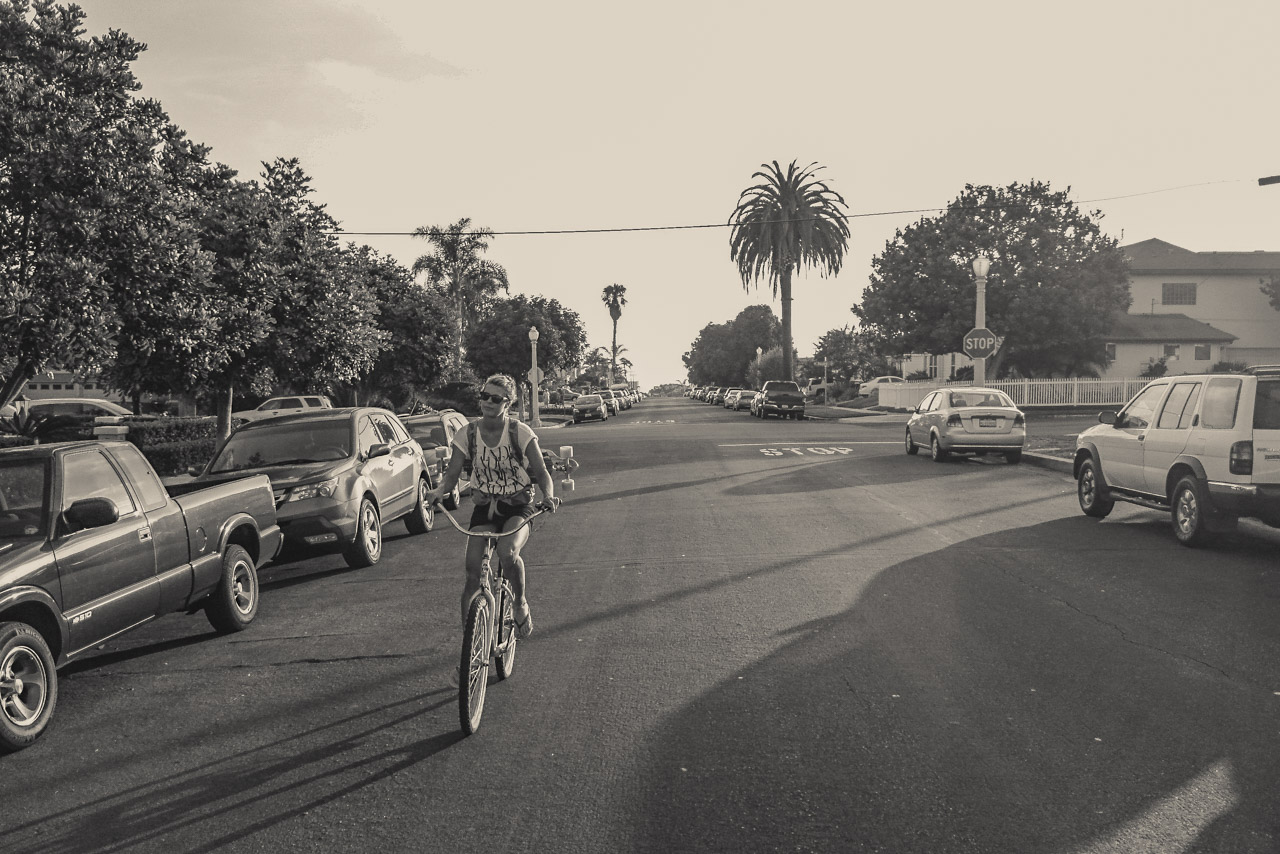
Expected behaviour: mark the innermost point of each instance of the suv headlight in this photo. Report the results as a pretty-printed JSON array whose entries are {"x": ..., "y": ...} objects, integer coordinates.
[{"x": 323, "y": 489}]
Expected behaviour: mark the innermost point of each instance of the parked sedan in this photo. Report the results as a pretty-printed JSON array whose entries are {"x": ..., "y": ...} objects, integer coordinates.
[
  {"x": 877, "y": 383},
  {"x": 588, "y": 407},
  {"x": 967, "y": 421}
]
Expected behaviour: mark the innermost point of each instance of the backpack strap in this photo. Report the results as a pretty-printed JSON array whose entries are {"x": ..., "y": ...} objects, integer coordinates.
[
  {"x": 513, "y": 432},
  {"x": 472, "y": 428}
]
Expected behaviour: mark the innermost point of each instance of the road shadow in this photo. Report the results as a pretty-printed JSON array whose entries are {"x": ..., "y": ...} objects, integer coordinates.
[{"x": 984, "y": 699}]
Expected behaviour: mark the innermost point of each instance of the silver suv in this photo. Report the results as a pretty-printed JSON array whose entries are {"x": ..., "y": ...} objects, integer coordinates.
[{"x": 1203, "y": 447}]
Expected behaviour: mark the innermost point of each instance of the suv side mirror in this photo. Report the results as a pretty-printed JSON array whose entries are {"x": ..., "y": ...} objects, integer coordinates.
[
  {"x": 379, "y": 450},
  {"x": 1108, "y": 418},
  {"x": 90, "y": 513}
]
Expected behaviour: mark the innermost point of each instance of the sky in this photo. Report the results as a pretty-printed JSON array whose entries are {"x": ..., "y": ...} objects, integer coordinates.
[{"x": 564, "y": 116}]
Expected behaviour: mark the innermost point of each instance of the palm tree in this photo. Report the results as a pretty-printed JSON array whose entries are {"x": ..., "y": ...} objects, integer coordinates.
[
  {"x": 455, "y": 265},
  {"x": 614, "y": 296},
  {"x": 785, "y": 222}
]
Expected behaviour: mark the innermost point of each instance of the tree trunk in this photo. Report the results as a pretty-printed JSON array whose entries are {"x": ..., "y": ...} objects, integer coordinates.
[
  {"x": 136, "y": 399},
  {"x": 16, "y": 382},
  {"x": 788, "y": 365},
  {"x": 224, "y": 412},
  {"x": 613, "y": 354}
]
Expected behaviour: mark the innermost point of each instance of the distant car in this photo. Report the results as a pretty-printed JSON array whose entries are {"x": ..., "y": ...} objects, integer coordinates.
[
  {"x": 339, "y": 475},
  {"x": 290, "y": 405},
  {"x": 731, "y": 397},
  {"x": 612, "y": 401},
  {"x": 588, "y": 407},
  {"x": 742, "y": 400},
  {"x": 967, "y": 421},
  {"x": 757, "y": 403},
  {"x": 434, "y": 432},
  {"x": 67, "y": 406},
  {"x": 877, "y": 383}
]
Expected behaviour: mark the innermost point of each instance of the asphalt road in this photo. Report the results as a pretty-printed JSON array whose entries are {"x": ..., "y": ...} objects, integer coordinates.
[{"x": 750, "y": 636}]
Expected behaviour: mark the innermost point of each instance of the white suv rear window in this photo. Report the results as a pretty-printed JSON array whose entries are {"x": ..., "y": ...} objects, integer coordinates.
[
  {"x": 1266, "y": 412},
  {"x": 1221, "y": 397}
]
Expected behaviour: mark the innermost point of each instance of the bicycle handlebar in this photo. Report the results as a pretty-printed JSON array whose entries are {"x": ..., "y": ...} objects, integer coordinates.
[{"x": 542, "y": 506}]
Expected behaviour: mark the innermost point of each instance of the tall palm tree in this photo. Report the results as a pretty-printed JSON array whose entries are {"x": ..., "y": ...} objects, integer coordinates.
[
  {"x": 455, "y": 264},
  {"x": 785, "y": 222},
  {"x": 615, "y": 297}
]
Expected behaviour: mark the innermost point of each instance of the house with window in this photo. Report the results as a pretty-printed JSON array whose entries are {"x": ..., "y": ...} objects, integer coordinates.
[
  {"x": 1221, "y": 289},
  {"x": 1194, "y": 309},
  {"x": 1137, "y": 341}
]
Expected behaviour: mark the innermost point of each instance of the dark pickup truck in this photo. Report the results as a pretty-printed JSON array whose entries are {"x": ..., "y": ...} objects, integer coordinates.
[
  {"x": 92, "y": 545},
  {"x": 781, "y": 398}
]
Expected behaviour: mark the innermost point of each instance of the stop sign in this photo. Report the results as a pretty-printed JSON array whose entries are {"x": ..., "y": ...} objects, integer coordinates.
[{"x": 979, "y": 343}]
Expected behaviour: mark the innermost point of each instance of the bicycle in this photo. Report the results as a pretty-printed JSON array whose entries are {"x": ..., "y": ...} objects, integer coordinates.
[{"x": 484, "y": 638}]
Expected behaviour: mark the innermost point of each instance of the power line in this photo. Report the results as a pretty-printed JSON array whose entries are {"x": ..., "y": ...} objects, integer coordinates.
[{"x": 730, "y": 224}]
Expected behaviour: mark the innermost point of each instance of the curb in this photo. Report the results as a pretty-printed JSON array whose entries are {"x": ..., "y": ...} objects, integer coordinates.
[{"x": 1045, "y": 461}]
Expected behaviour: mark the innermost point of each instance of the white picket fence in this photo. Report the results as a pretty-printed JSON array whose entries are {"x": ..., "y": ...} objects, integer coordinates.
[{"x": 1074, "y": 391}]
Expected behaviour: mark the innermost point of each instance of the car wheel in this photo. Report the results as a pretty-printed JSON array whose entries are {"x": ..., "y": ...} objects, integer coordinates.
[
  {"x": 1189, "y": 512},
  {"x": 232, "y": 607},
  {"x": 28, "y": 686},
  {"x": 1013, "y": 457},
  {"x": 423, "y": 516},
  {"x": 936, "y": 450},
  {"x": 912, "y": 447},
  {"x": 1090, "y": 492},
  {"x": 366, "y": 548}
]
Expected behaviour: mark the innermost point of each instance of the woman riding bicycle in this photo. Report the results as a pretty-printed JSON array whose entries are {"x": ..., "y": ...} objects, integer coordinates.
[{"x": 507, "y": 464}]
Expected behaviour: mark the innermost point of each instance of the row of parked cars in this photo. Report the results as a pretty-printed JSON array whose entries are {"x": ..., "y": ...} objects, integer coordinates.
[
  {"x": 599, "y": 405},
  {"x": 93, "y": 543},
  {"x": 775, "y": 397}
]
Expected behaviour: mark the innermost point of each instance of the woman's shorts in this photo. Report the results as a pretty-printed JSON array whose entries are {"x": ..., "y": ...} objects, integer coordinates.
[{"x": 503, "y": 512}]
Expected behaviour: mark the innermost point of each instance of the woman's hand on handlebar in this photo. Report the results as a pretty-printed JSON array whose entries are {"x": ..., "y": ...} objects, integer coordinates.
[{"x": 551, "y": 504}]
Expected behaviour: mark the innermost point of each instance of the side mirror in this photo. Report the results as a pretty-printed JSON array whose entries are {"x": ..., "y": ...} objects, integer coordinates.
[
  {"x": 379, "y": 450},
  {"x": 194, "y": 471},
  {"x": 1107, "y": 418},
  {"x": 90, "y": 513}
]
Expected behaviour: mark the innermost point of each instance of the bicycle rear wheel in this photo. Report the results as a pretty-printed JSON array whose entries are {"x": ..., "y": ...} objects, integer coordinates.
[
  {"x": 473, "y": 672},
  {"x": 504, "y": 650}
]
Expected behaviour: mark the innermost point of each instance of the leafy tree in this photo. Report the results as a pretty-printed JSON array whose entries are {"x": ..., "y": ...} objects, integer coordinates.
[
  {"x": 499, "y": 342},
  {"x": 326, "y": 329},
  {"x": 614, "y": 296},
  {"x": 455, "y": 264},
  {"x": 74, "y": 149},
  {"x": 1270, "y": 285},
  {"x": 852, "y": 353},
  {"x": 1054, "y": 280},
  {"x": 782, "y": 224},
  {"x": 417, "y": 321},
  {"x": 724, "y": 353}
]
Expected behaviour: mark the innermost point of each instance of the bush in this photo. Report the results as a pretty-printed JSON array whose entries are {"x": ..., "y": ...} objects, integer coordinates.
[
  {"x": 159, "y": 431},
  {"x": 460, "y": 396},
  {"x": 1228, "y": 367},
  {"x": 7, "y": 441},
  {"x": 170, "y": 458},
  {"x": 919, "y": 375}
]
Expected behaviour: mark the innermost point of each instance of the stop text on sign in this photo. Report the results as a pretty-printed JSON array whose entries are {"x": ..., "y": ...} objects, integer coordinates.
[
  {"x": 822, "y": 452},
  {"x": 980, "y": 343}
]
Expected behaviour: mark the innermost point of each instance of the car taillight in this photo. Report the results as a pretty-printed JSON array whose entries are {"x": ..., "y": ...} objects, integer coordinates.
[
  {"x": 1241, "y": 461},
  {"x": 954, "y": 420},
  {"x": 1019, "y": 420}
]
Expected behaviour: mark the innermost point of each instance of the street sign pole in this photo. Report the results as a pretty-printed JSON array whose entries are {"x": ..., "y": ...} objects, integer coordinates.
[{"x": 980, "y": 365}]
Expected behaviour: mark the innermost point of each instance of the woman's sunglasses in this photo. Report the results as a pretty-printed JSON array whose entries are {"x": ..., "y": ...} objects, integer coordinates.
[{"x": 492, "y": 398}]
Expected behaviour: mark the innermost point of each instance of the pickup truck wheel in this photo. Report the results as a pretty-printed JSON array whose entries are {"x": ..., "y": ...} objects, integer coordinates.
[
  {"x": 1188, "y": 512},
  {"x": 232, "y": 607},
  {"x": 366, "y": 548},
  {"x": 936, "y": 450},
  {"x": 28, "y": 686},
  {"x": 1090, "y": 492},
  {"x": 423, "y": 516}
]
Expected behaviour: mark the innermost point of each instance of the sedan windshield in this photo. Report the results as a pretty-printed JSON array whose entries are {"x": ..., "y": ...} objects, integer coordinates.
[
  {"x": 285, "y": 444},
  {"x": 24, "y": 492}
]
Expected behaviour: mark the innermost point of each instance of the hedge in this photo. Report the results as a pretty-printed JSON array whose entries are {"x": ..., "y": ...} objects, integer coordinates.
[
  {"x": 170, "y": 458},
  {"x": 11, "y": 441},
  {"x": 161, "y": 431}
]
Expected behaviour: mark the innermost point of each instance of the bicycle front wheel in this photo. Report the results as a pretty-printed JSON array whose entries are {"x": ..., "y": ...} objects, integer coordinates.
[
  {"x": 473, "y": 671},
  {"x": 504, "y": 650}
]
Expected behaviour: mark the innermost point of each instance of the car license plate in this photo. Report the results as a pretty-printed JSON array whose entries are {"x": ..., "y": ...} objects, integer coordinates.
[{"x": 986, "y": 422}]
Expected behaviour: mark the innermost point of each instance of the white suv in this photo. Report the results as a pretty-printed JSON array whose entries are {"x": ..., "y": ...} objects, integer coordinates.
[{"x": 1203, "y": 447}]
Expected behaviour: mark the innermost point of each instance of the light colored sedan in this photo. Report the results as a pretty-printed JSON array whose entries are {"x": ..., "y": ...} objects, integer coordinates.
[
  {"x": 967, "y": 421},
  {"x": 740, "y": 399}
]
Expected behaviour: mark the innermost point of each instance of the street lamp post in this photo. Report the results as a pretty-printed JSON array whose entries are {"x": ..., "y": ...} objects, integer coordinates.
[
  {"x": 533, "y": 373},
  {"x": 759, "y": 353},
  {"x": 981, "y": 266}
]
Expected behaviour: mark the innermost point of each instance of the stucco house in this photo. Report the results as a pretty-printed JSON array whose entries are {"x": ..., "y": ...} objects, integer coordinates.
[{"x": 1192, "y": 308}]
